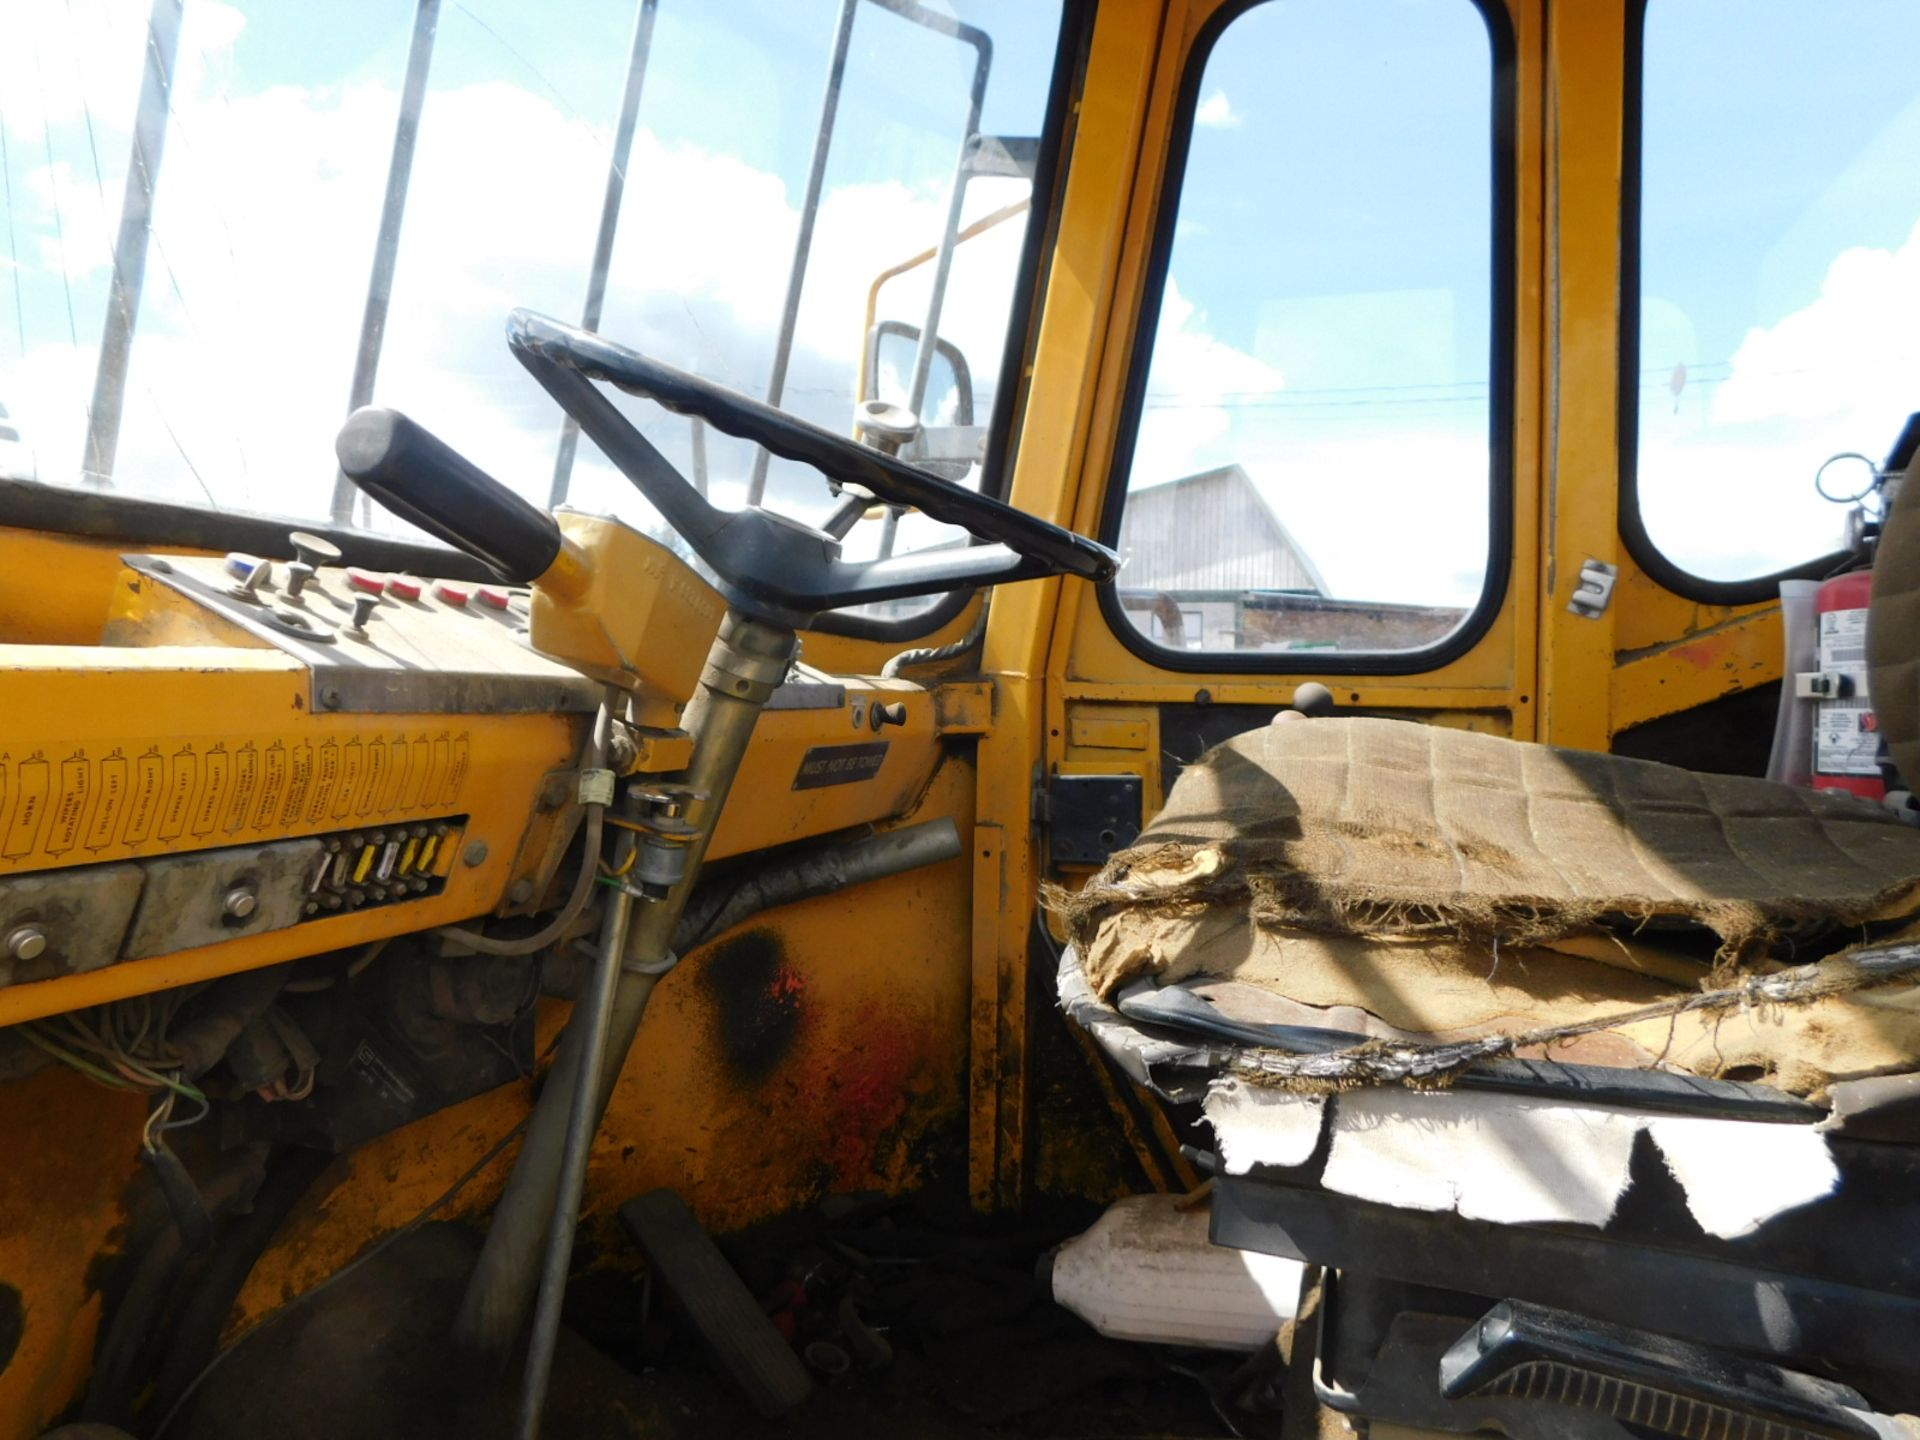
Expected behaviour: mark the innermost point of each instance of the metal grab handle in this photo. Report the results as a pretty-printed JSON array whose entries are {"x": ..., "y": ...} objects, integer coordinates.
[{"x": 421, "y": 478}]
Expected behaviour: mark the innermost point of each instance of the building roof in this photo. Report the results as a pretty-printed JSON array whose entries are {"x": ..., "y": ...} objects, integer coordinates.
[{"x": 1211, "y": 531}]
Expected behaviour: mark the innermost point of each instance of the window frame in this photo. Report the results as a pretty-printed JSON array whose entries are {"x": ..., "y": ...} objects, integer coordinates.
[
  {"x": 129, "y": 517},
  {"x": 1503, "y": 218},
  {"x": 1639, "y": 543}
]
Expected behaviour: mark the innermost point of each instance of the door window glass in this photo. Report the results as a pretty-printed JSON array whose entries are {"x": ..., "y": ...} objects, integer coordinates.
[
  {"x": 1312, "y": 465},
  {"x": 1779, "y": 260}
]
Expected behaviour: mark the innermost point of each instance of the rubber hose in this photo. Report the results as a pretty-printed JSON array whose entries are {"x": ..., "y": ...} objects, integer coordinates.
[
  {"x": 935, "y": 654},
  {"x": 196, "y": 1329},
  {"x": 112, "y": 1386}
]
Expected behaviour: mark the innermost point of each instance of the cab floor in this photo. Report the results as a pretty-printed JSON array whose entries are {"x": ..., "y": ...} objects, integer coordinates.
[{"x": 977, "y": 1349}]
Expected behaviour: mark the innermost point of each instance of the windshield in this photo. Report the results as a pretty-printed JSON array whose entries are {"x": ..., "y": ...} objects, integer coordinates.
[{"x": 226, "y": 222}]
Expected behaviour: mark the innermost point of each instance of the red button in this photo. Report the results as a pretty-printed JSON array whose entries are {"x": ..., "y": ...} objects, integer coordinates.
[
  {"x": 491, "y": 596},
  {"x": 405, "y": 586},
  {"x": 452, "y": 594},
  {"x": 365, "y": 580}
]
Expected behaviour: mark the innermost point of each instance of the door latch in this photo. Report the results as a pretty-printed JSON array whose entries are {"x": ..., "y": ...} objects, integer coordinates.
[{"x": 1595, "y": 590}]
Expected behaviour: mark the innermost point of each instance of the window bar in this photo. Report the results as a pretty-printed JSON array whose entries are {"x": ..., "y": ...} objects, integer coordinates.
[
  {"x": 949, "y": 235},
  {"x": 609, "y": 219},
  {"x": 803, "y": 242},
  {"x": 130, "y": 249},
  {"x": 373, "y": 324}
]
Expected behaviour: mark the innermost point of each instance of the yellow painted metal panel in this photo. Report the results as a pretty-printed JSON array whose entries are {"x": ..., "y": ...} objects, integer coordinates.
[
  {"x": 1585, "y": 104},
  {"x": 55, "y": 589},
  {"x": 963, "y": 707},
  {"x": 1737, "y": 655},
  {"x": 113, "y": 754},
  {"x": 1124, "y": 728},
  {"x": 69, "y": 1147},
  {"x": 985, "y": 1059},
  {"x": 770, "y": 808}
]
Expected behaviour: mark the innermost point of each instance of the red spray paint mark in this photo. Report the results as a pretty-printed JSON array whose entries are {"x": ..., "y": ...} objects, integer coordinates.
[{"x": 870, "y": 1097}]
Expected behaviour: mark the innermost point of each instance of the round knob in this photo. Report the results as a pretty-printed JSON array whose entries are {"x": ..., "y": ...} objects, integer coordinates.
[
  {"x": 240, "y": 902},
  {"x": 366, "y": 581},
  {"x": 26, "y": 942},
  {"x": 886, "y": 426},
  {"x": 1313, "y": 698},
  {"x": 314, "y": 550},
  {"x": 403, "y": 586},
  {"x": 363, "y": 608}
]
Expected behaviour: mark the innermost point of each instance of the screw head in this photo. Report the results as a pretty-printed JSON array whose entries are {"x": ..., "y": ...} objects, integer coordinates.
[
  {"x": 26, "y": 942},
  {"x": 475, "y": 854},
  {"x": 240, "y": 902},
  {"x": 520, "y": 891},
  {"x": 329, "y": 697}
]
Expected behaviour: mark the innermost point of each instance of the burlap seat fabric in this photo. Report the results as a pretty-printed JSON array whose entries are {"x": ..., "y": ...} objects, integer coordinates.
[{"x": 1455, "y": 884}]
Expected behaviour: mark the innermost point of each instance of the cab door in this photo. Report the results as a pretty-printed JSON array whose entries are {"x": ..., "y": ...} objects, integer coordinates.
[{"x": 1300, "y": 246}]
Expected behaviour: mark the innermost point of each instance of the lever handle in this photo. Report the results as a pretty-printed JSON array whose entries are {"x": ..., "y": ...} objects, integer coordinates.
[{"x": 421, "y": 478}]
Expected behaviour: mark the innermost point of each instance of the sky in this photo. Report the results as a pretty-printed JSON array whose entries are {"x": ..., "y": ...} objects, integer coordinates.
[{"x": 1327, "y": 314}]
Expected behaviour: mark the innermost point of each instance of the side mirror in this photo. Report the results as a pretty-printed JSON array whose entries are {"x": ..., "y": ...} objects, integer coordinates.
[{"x": 949, "y": 443}]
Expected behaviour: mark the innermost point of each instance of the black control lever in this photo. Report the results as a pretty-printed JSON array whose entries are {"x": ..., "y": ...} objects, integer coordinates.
[{"x": 421, "y": 478}]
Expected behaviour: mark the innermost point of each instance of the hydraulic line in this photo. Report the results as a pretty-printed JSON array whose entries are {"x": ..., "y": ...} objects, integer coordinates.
[
  {"x": 825, "y": 870},
  {"x": 938, "y": 654}
]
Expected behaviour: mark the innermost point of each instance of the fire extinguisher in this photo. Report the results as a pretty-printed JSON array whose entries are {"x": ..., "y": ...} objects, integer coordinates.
[
  {"x": 1846, "y": 739},
  {"x": 1846, "y": 752}
]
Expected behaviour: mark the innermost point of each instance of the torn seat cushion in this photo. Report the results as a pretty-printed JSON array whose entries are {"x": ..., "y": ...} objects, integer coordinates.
[{"x": 1451, "y": 884}]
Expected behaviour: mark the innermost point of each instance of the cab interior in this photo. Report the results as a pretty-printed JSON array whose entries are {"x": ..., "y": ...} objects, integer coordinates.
[{"x": 536, "y": 869}]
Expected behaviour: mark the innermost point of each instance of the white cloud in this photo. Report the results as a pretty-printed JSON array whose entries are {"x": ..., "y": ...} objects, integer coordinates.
[
  {"x": 1216, "y": 112},
  {"x": 1854, "y": 350},
  {"x": 1726, "y": 469},
  {"x": 1195, "y": 380},
  {"x": 60, "y": 62},
  {"x": 1390, "y": 503}
]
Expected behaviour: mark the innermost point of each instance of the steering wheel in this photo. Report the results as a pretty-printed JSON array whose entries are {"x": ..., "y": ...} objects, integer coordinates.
[{"x": 769, "y": 564}]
